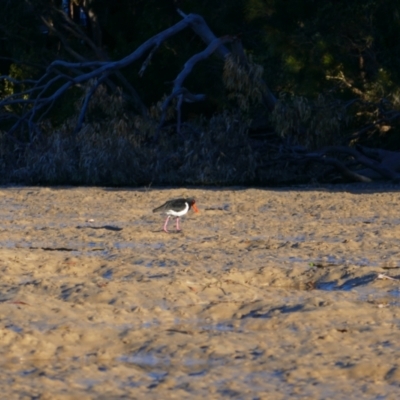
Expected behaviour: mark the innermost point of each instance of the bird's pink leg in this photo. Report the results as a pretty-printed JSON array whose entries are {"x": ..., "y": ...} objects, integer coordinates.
[
  {"x": 166, "y": 224},
  {"x": 177, "y": 224}
]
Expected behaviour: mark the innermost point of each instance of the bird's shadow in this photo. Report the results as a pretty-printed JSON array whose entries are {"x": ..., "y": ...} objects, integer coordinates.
[
  {"x": 107, "y": 227},
  {"x": 169, "y": 232}
]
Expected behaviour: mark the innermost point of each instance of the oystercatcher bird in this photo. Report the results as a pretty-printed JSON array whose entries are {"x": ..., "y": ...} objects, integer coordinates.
[{"x": 176, "y": 208}]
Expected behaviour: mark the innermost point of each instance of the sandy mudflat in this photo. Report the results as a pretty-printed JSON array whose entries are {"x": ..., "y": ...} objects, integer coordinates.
[{"x": 266, "y": 294}]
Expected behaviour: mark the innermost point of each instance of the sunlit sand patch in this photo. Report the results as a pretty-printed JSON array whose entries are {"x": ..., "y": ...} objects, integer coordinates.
[{"x": 285, "y": 292}]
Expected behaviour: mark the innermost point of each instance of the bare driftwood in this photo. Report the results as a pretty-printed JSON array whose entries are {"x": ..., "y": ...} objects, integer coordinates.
[
  {"x": 380, "y": 164},
  {"x": 182, "y": 93},
  {"x": 35, "y": 102},
  {"x": 72, "y": 28},
  {"x": 359, "y": 164}
]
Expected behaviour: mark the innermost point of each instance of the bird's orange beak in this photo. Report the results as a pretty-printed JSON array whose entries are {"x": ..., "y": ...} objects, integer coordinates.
[{"x": 195, "y": 209}]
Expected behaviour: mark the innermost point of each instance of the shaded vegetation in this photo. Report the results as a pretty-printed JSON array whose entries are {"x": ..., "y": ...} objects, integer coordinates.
[{"x": 334, "y": 67}]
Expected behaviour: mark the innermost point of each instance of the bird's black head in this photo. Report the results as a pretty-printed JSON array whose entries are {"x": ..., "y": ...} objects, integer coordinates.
[{"x": 192, "y": 204}]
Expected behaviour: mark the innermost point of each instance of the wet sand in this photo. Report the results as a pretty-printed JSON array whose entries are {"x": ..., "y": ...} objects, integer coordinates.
[{"x": 267, "y": 294}]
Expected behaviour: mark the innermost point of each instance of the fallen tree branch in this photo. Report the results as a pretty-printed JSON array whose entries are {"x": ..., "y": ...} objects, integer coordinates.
[
  {"x": 382, "y": 168},
  {"x": 367, "y": 161},
  {"x": 378, "y": 164},
  {"x": 37, "y": 101},
  {"x": 86, "y": 103},
  {"x": 71, "y": 27},
  {"x": 340, "y": 167},
  {"x": 178, "y": 90},
  {"x": 375, "y": 125}
]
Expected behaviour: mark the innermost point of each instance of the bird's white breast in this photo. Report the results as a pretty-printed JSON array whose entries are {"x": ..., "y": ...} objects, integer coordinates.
[{"x": 179, "y": 213}]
